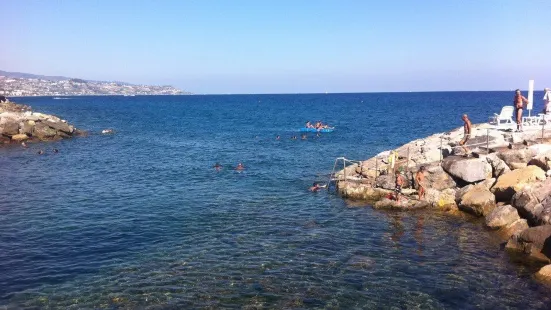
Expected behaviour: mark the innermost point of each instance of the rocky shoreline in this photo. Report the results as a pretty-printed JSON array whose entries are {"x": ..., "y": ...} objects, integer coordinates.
[
  {"x": 506, "y": 180},
  {"x": 18, "y": 123}
]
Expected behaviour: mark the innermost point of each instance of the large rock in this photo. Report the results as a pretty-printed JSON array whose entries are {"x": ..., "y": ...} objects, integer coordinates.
[
  {"x": 502, "y": 216},
  {"x": 10, "y": 128},
  {"x": 544, "y": 274},
  {"x": 534, "y": 241},
  {"x": 499, "y": 167},
  {"x": 444, "y": 199},
  {"x": 478, "y": 201},
  {"x": 510, "y": 183},
  {"x": 437, "y": 178},
  {"x": 468, "y": 169},
  {"x": 19, "y": 137},
  {"x": 27, "y": 127},
  {"x": 529, "y": 202},
  {"x": 386, "y": 181},
  {"x": 60, "y": 126},
  {"x": 513, "y": 229},
  {"x": 461, "y": 192},
  {"x": 517, "y": 157},
  {"x": 358, "y": 191},
  {"x": 43, "y": 131},
  {"x": 542, "y": 160}
]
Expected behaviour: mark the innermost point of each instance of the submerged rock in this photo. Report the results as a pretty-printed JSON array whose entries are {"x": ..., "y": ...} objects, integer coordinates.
[{"x": 534, "y": 241}]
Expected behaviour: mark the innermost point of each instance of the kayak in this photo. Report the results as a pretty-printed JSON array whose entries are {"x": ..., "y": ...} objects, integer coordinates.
[{"x": 304, "y": 129}]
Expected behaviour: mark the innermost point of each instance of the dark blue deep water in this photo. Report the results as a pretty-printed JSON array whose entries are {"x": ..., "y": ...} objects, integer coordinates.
[{"x": 139, "y": 219}]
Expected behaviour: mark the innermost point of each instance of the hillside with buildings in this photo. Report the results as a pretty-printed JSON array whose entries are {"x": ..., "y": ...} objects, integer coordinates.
[{"x": 15, "y": 84}]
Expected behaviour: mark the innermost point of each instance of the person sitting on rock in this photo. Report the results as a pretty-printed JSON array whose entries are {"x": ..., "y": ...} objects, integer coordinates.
[{"x": 419, "y": 179}]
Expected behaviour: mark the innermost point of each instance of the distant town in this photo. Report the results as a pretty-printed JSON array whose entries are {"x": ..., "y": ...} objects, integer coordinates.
[{"x": 22, "y": 84}]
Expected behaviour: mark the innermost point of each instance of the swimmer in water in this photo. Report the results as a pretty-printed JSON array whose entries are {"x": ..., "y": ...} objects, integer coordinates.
[
  {"x": 23, "y": 144},
  {"x": 40, "y": 152},
  {"x": 278, "y": 137},
  {"x": 303, "y": 137},
  {"x": 316, "y": 187},
  {"x": 293, "y": 137},
  {"x": 56, "y": 151},
  {"x": 240, "y": 167},
  {"x": 217, "y": 166}
]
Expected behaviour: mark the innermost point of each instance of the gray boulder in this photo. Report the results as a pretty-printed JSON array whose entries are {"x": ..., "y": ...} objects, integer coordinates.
[
  {"x": 10, "y": 128},
  {"x": 60, "y": 126},
  {"x": 499, "y": 167},
  {"x": 542, "y": 160},
  {"x": 517, "y": 158},
  {"x": 502, "y": 216},
  {"x": 26, "y": 127},
  {"x": 532, "y": 200},
  {"x": 44, "y": 132},
  {"x": 437, "y": 178},
  {"x": 469, "y": 170}
]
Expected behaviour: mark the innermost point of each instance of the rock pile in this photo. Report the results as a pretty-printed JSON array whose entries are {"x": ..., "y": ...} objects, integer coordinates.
[
  {"x": 19, "y": 123},
  {"x": 510, "y": 187}
]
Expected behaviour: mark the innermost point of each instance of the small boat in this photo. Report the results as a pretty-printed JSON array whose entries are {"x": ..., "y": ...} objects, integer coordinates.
[{"x": 304, "y": 129}]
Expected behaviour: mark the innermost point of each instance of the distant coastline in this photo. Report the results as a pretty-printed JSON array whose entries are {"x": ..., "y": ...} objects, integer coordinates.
[{"x": 15, "y": 84}]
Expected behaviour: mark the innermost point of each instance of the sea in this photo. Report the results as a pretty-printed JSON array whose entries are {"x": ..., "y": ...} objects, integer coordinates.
[{"x": 140, "y": 219}]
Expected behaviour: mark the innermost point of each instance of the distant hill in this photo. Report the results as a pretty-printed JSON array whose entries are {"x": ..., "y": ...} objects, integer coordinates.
[
  {"x": 17, "y": 84},
  {"x": 21, "y": 75}
]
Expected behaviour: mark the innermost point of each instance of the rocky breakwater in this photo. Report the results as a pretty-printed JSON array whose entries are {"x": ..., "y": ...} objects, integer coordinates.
[
  {"x": 507, "y": 181},
  {"x": 18, "y": 123}
]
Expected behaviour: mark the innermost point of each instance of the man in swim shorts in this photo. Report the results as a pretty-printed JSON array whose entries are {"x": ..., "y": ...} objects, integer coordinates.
[
  {"x": 519, "y": 102},
  {"x": 419, "y": 178},
  {"x": 399, "y": 184},
  {"x": 467, "y": 130}
]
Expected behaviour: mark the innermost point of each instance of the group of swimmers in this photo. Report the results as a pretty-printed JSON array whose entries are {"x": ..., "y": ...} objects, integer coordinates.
[
  {"x": 239, "y": 167},
  {"x": 318, "y": 125},
  {"x": 302, "y": 137}
]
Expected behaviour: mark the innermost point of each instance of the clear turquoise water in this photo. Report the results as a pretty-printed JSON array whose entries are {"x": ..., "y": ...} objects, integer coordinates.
[{"x": 140, "y": 219}]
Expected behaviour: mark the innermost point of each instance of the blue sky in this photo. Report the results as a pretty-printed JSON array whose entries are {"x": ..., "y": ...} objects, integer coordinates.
[{"x": 284, "y": 46}]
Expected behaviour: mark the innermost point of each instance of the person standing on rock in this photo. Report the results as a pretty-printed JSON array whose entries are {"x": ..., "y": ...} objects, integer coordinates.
[
  {"x": 399, "y": 184},
  {"x": 419, "y": 179},
  {"x": 519, "y": 102},
  {"x": 467, "y": 130},
  {"x": 546, "y": 100}
]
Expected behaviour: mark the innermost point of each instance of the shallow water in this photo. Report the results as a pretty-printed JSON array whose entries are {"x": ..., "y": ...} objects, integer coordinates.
[{"x": 140, "y": 219}]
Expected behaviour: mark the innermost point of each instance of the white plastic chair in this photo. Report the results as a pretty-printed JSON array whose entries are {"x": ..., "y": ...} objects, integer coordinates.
[{"x": 504, "y": 120}]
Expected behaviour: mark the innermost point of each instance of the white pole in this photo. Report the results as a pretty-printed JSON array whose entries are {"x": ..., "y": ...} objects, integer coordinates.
[{"x": 530, "y": 96}]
